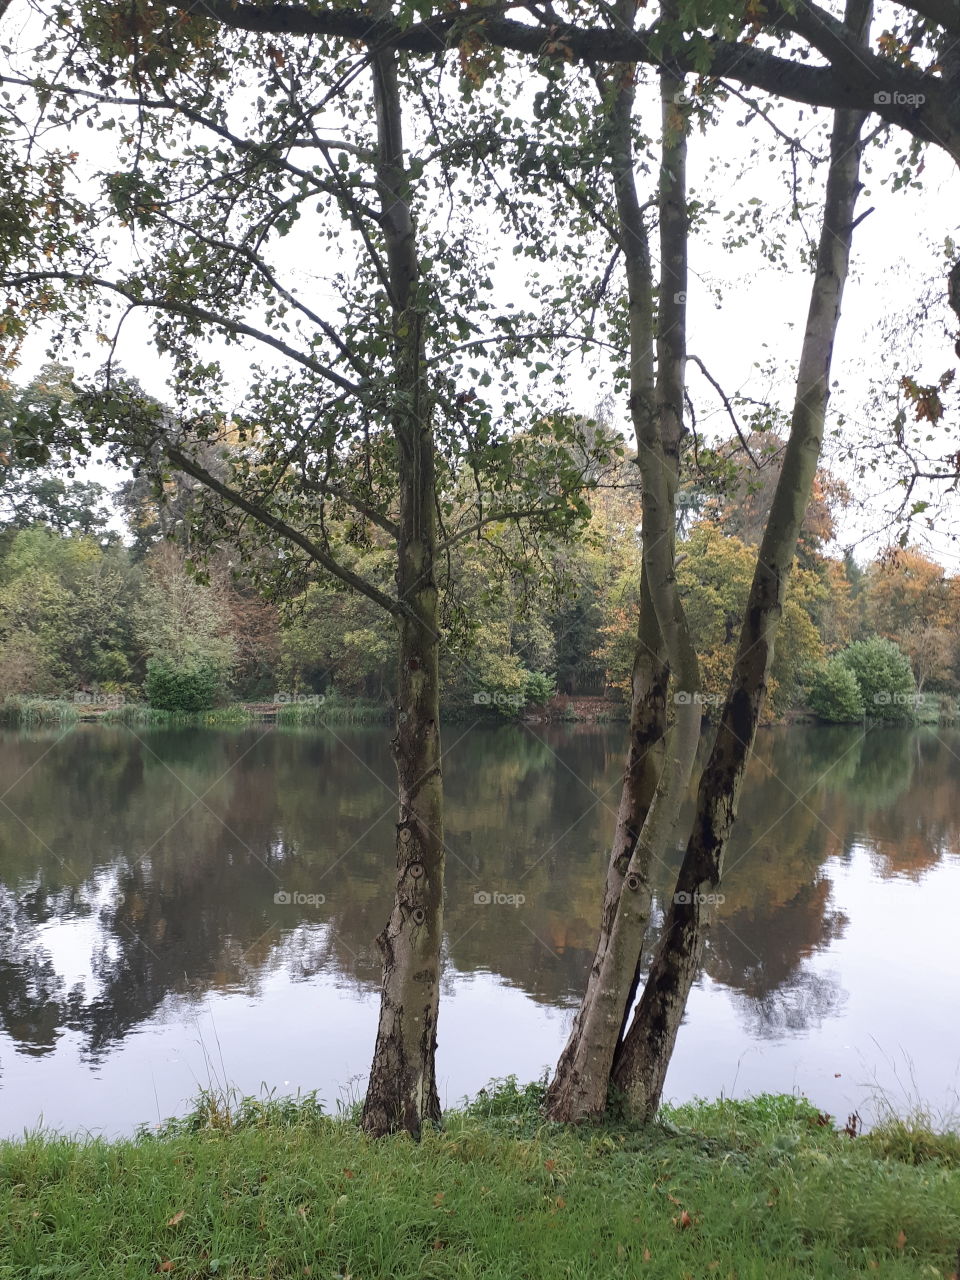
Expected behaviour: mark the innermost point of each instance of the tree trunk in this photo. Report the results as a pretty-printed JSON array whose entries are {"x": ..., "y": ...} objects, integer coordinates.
[
  {"x": 574, "y": 1082},
  {"x": 642, "y": 1060},
  {"x": 402, "y": 1089},
  {"x": 580, "y": 1086}
]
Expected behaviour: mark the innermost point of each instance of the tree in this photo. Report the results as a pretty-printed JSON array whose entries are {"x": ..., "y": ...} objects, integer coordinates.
[
  {"x": 607, "y": 1046},
  {"x": 37, "y": 495},
  {"x": 64, "y": 613},
  {"x": 836, "y": 695},
  {"x": 184, "y": 629},
  {"x": 833, "y": 64},
  {"x": 361, "y": 405},
  {"x": 883, "y": 676},
  {"x": 908, "y": 603}
]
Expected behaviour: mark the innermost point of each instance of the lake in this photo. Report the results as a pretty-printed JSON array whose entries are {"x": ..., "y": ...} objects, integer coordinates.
[{"x": 185, "y": 908}]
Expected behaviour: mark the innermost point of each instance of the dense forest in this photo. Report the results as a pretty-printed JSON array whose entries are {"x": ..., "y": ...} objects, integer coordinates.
[{"x": 92, "y": 614}]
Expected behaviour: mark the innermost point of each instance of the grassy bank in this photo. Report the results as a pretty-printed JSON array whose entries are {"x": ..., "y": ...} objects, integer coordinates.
[
  {"x": 25, "y": 712},
  {"x": 746, "y": 1190}
]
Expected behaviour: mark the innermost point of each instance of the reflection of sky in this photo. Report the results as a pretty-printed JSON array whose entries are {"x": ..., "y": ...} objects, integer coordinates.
[
  {"x": 894, "y": 1031},
  {"x": 896, "y": 1034}
]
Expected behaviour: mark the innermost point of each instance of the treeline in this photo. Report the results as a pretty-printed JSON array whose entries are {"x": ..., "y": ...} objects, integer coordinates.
[{"x": 85, "y": 613}]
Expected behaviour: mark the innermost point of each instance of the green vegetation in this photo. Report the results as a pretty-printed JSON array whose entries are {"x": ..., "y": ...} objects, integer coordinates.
[
  {"x": 89, "y": 618},
  {"x": 279, "y": 1189},
  {"x": 836, "y": 695}
]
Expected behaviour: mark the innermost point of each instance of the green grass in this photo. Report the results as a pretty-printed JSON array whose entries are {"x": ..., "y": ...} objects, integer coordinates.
[
  {"x": 29, "y": 712},
  {"x": 275, "y": 1189}
]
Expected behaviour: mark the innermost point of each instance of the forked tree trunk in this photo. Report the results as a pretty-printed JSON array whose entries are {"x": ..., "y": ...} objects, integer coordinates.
[
  {"x": 642, "y": 1060},
  {"x": 580, "y": 1086},
  {"x": 581, "y": 1063},
  {"x": 402, "y": 1089}
]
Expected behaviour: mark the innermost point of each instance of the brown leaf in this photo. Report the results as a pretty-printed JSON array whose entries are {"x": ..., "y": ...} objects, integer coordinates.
[
  {"x": 646, "y": 1255},
  {"x": 166, "y": 1265},
  {"x": 438, "y": 1199},
  {"x": 683, "y": 1221},
  {"x": 549, "y": 1165},
  {"x": 177, "y": 1217},
  {"x": 560, "y": 1202},
  {"x": 901, "y": 1238},
  {"x": 348, "y": 1173}
]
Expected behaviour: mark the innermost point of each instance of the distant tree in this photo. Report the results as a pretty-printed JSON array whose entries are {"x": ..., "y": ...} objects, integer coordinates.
[
  {"x": 64, "y": 613},
  {"x": 884, "y": 676},
  {"x": 183, "y": 627},
  {"x": 835, "y": 695},
  {"x": 908, "y": 601}
]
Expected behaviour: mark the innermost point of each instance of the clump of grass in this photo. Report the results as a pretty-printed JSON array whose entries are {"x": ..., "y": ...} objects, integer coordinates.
[
  {"x": 21, "y": 711},
  {"x": 334, "y": 709}
]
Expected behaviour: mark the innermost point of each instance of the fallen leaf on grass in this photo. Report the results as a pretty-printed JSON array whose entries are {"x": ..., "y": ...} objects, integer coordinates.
[
  {"x": 438, "y": 1199},
  {"x": 348, "y": 1173},
  {"x": 549, "y": 1165},
  {"x": 166, "y": 1265},
  {"x": 683, "y": 1221},
  {"x": 901, "y": 1238},
  {"x": 560, "y": 1202},
  {"x": 177, "y": 1217},
  {"x": 646, "y": 1255}
]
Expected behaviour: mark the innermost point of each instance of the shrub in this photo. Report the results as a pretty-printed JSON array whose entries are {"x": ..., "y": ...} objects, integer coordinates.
[
  {"x": 836, "y": 695},
  {"x": 185, "y": 689},
  {"x": 885, "y": 678},
  {"x": 538, "y": 687}
]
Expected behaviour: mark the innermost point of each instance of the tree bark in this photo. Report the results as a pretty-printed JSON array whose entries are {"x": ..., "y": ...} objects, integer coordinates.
[
  {"x": 580, "y": 1086},
  {"x": 642, "y": 1060},
  {"x": 402, "y": 1089}
]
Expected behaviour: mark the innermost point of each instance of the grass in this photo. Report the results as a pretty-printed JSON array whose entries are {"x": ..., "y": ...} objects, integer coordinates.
[
  {"x": 267, "y": 1189},
  {"x": 30, "y": 712}
]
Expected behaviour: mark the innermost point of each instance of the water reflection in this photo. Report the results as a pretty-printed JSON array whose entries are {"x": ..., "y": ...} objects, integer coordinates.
[{"x": 138, "y": 871}]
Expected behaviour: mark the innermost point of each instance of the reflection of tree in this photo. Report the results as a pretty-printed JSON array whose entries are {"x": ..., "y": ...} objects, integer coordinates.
[
  {"x": 758, "y": 952},
  {"x": 32, "y": 995},
  {"x": 801, "y": 1003},
  {"x": 181, "y": 890}
]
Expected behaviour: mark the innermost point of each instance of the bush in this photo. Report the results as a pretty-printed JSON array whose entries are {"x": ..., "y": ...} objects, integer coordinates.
[
  {"x": 836, "y": 695},
  {"x": 184, "y": 689},
  {"x": 538, "y": 687},
  {"x": 885, "y": 678}
]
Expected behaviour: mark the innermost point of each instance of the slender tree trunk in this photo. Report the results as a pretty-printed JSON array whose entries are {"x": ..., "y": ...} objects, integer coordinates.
[
  {"x": 402, "y": 1090},
  {"x": 642, "y": 1060},
  {"x": 580, "y": 1086}
]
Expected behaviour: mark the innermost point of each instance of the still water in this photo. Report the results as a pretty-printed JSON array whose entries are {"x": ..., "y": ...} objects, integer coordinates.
[{"x": 187, "y": 908}]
